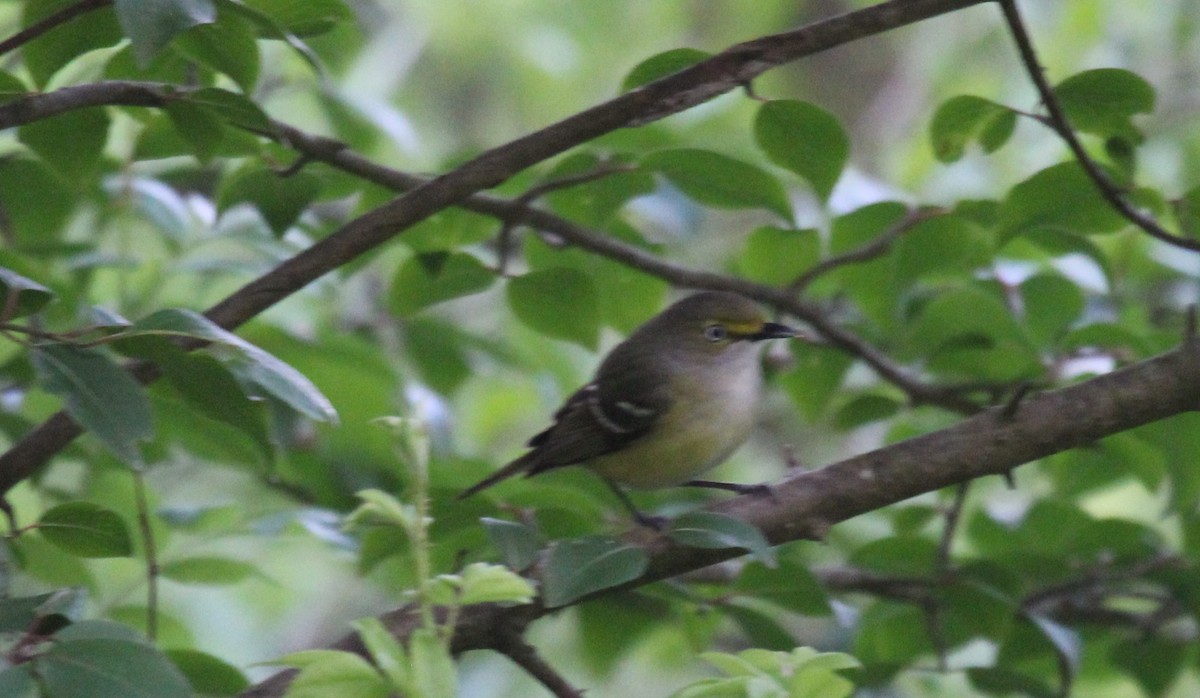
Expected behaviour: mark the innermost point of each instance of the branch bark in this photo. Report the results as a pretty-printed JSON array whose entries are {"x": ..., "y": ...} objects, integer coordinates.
[{"x": 806, "y": 505}]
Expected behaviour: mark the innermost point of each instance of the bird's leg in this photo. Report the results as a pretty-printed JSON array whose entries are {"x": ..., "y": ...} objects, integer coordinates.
[
  {"x": 759, "y": 490},
  {"x": 658, "y": 523}
]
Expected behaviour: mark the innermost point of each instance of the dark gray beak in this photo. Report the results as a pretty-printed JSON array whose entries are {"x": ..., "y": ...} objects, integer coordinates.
[{"x": 774, "y": 330}]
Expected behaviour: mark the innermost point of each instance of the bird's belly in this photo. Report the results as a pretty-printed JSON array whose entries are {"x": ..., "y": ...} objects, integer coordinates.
[{"x": 685, "y": 443}]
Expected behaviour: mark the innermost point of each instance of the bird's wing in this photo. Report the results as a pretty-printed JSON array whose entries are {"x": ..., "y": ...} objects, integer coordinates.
[{"x": 596, "y": 420}]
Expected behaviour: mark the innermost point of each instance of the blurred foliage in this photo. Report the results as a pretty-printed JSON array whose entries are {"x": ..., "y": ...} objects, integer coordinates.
[{"x": 233, "y": 477}]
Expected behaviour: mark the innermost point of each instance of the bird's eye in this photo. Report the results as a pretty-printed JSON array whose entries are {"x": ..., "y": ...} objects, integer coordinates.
[{"x": 715, "y": 333}]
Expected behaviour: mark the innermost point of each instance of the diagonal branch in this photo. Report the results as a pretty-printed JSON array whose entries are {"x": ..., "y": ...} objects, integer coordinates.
[
  {"x": 1062, "y": 126},
  {"x": 45, "y": 24},
  {"x": 806, "y": 505},
  {"x": 694, "y": 85}
]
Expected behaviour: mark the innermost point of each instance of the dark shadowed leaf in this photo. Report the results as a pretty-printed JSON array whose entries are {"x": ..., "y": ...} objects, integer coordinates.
[
  {"x": 707, "y": 529},
  {"x": 250, "y": 362},
  {"x": 279, "y": 199},
  {"x": 99, "y": 394},
  {"x": 207, "y": 674},
  {"x": 151, "y": 24},
  {"x": 47, "y": 53},
  {"x": 106, "y": 668},
  {"x": 30, "y": 295},
  {"x": 578, "y": 567},
  {"x": 426, "y": 279},
  {"x": 518, "y": 544}
]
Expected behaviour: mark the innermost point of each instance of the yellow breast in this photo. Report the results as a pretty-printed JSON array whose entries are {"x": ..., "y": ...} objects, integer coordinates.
[{"x": 694, "y": 435}]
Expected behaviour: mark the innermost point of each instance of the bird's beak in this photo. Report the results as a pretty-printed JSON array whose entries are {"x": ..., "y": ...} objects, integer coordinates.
[{"x": 774, "y": 330}]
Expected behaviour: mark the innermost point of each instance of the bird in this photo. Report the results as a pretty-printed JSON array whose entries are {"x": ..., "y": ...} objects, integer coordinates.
[{"x": 672, "y": 401}]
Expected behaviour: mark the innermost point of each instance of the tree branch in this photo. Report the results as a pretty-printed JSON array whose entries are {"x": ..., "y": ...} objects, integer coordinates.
[
  {"x": 1062, "y": 126},
  {"x": 694, "y": 85},
  {"x": 45, "y": 24},
  {"x": 805, "y": 505}
]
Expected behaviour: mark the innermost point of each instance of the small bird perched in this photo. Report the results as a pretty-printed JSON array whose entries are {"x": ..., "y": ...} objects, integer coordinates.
[{"x": 670, "y": 402}]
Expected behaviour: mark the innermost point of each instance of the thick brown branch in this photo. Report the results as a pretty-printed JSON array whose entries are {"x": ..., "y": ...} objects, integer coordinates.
[{"x": 805, "y": 505}]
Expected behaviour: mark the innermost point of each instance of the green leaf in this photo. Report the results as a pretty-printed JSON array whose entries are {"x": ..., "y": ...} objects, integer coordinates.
[
  {"x": 963, "y": 119},
  {"x": 967, "y": 331},
  {"x": 815, "y": 377},
  {"x": 386, "y": 651},
  {"x": 210, "y": 388},
  {"x": 761, "y": 629},
  {"x": 229, "y": 46},
  {"x": 207, "y": 674},
  {"x": 304, "y": 17},
  {"x": 864, "y": 408},
  {"x": 662, "y": 65},
  {"x": 581, "y": 566},
  {"x": 1051, "y": 304},
  {"x": 1103, "y": 101},
  {"x": 99, "y": 394},
  {"x": 433, "y": 673},
  {"x": 11, "y": 87},
  {"x": 87, "y": 530},
  {"x": 279, "y": 199},
  {"x": 805, "y": 139},
  {"x": 237, "y": 109},
  {"x": 1059, "y": 197},
  {"x": 30, "y": 296},
  {"x": 518, "y": 544},
  {"x": 719, "y": 180},
  {"x": 485, "y": 583},
  {"x": 198, "y": 126},
  {"x": 426, "y": 279},
  {"x": 36, "y": 202},
  {"x": 151, "y": 24},
  {"x": 897, "y": 555},
  {"x": 1003, "y": 682},
  {"x": 17, "y": 682},
  {"x": 941, "y": 247},
  {"x": 707, "y": 529},
  {"x": 326, "y": 673},
  {"x": 250, "y": 362},
  {"x": 208, "y": 570},
  {"x": 777, "y": 256},
  {"x": 71, "y": 143},
  {"x": 558, "y": 302},
  {"x": 45, "y": 54},
  {"x": 790, "y": 585},
  {"x": 106, "y": 668}
]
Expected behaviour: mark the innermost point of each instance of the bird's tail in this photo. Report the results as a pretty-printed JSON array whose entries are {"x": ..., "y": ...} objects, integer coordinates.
[{"x": 520, "y": 465}]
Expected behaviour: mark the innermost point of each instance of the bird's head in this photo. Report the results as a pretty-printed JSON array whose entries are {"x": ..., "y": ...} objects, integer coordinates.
[{"x": 714, "y": 322}]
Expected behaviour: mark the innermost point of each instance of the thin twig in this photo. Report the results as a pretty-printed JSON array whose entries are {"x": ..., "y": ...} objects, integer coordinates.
[
  {"x": 45, "y": 24},
  {"x": 152, "y": 570},
  {"x": 524, "y": 655},
  {"x": 524, "y": 201},
  {"x": 1061, "y": 125},
  {"x": 952, "y": 516},
  {"x": 873, "y": 249}
]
